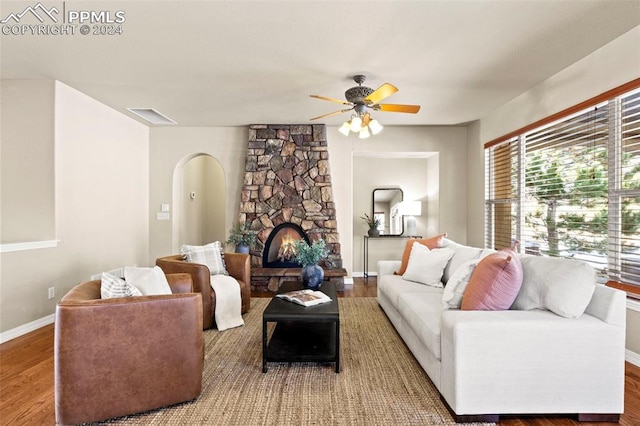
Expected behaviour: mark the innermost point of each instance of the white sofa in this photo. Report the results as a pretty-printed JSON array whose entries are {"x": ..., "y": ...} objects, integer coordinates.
[{"x": 491, "y": 363}]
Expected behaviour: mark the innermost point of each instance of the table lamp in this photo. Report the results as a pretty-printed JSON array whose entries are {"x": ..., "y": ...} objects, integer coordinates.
[{"x": 411, "y": 209}]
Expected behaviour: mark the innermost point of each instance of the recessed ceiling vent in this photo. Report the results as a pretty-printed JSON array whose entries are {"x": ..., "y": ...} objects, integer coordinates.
[{"x": 151, "y": 115}]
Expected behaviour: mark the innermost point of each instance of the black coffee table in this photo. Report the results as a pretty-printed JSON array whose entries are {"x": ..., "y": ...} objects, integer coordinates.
[{"x": 302, "y": 334}]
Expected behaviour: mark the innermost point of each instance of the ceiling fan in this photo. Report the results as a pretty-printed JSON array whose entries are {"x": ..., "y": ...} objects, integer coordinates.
[{"x": 361, "y": 98}]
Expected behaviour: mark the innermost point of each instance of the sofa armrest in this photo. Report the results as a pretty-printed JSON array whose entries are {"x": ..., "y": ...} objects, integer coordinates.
[
  {"x": 238, "y": 266},
  {"x": 180, "y": 283},
  {"x": 388, "y": 267},
  {"x": 510, "y": 361},
  {"x": 609, "y": 305}
]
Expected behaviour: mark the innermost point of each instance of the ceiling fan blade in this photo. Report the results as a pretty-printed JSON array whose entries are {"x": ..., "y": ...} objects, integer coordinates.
[
  {"x": 411, "y": 109},
  {"x": 366, "y": 119},
  {"x": 332, "y": 113},
  {"x": 380, "y": 93},
  {"x": 338, "y": 101}
]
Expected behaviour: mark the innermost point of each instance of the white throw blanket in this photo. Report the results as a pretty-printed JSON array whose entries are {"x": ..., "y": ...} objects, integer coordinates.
[{"x": 228, "y": 302}]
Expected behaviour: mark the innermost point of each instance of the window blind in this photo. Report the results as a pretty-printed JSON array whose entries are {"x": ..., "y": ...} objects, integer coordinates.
[
  {"x": 501, "y": 194},
  {"x": 571, "y": 188},
  {"x": 625, "y": 196}
]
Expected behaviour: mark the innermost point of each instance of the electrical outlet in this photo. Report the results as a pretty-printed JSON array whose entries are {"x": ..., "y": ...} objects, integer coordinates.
[{"x": 52, "y": 292}]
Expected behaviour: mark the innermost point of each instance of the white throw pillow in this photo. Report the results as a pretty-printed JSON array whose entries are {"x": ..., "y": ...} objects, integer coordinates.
[
  {"x": 210, "y": 255},
  {"x": 426, "y": 266},
  {"x": 562, "y": 286},
  {"x": 112, "y": 286},
  {"x": 457, "y": 284},
  {"x": 148, "y": 280}
]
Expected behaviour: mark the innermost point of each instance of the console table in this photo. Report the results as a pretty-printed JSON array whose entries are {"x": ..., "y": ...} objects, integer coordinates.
[{"x": 381, "y": 237}]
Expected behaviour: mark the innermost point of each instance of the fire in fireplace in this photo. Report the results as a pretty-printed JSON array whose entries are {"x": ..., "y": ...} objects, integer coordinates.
[{"x": 279, "y": 250}]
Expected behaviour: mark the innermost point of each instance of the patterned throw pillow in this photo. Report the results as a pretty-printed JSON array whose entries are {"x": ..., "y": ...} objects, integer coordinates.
[
  {"x": 112, "y": 286},
  {"x": 210, "y": 255},
  {"x": 457, "y": 284}
]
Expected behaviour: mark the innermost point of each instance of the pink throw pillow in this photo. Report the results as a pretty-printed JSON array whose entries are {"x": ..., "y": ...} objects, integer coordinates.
[{"x": 495, "y": 283}]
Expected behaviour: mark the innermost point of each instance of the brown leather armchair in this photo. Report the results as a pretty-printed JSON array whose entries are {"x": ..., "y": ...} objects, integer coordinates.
[
  {"x": 238, "y": 266},
  {"x": 114, "y": 357}
]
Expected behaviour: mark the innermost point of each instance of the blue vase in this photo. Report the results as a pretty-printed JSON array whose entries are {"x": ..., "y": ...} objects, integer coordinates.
[
  {"x": 242, "y": 249},
  {"x": 312, "y": 276}
]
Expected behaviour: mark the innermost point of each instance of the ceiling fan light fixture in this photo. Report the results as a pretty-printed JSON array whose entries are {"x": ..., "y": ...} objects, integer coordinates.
[
  {"x": 375, "y": 127},
  {"x": 345, "y": 128},
  {"x": 356, "y": 124},
  {"x": 364, "y": 133}
]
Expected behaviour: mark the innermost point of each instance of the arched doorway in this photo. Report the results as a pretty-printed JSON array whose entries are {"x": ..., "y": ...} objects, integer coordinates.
[{"x": 199, "y": 194}]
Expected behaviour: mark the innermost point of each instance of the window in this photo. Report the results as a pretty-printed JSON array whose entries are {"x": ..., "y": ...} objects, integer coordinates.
[{"x": 571, "y": 188}]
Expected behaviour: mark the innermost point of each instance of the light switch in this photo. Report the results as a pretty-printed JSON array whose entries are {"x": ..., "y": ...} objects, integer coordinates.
[
  {"x": 165, "y": 207},
  {"x": 162, "y": 216}
]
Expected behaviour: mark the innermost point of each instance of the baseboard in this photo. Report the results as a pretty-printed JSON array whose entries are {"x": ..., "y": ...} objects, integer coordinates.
[
  {"x": 361, "y": 274},
  {"x": 348, "y": 281},
  {"x": 26, "y": 328},
  {"x": 632, "y": 357},
  {"x": 633, "y": 304}
]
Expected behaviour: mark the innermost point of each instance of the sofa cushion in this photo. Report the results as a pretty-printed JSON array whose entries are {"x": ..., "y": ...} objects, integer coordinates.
[
  {"x": 425, "y": 266},
  {"x": 209, "y": 255},
  {"x": 422, "y": 313},
  {"x": 431, "y": 243},
  {"x": 149, "y": 281},
  {"x": 563, "y": 286},
  {"x": 392, "y": 286},
  {"x": 112, "y": 286},
  {"x": 457, "y": 284},
  {"x": 495, "y": 282}
]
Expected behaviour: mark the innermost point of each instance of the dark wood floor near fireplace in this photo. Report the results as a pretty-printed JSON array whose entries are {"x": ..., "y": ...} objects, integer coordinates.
[{"x": 26, "y": 378}]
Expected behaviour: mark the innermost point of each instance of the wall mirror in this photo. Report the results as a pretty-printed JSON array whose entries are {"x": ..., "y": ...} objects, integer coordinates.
[{"x": 385, "y": 206}]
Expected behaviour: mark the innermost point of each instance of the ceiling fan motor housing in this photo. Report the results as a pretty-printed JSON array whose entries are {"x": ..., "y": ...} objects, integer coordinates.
[{"x": 357, "y": 94}]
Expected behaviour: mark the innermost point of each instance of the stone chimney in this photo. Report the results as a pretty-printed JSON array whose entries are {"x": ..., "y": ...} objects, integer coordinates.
[{"x": 287, "y": 179}]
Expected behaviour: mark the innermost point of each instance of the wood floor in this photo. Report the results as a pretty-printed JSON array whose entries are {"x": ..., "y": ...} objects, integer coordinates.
[{"x": 26, "y": 378}]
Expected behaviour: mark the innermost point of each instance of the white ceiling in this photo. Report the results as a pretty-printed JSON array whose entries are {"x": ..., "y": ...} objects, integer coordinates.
[{"x": 233, "y": 63}]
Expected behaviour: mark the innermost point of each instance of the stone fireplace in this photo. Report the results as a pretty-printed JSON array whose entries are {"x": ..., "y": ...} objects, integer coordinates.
[{"x": 287, "y": 189}]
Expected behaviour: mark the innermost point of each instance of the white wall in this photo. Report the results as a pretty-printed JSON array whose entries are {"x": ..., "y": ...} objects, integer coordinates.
[
  {"x": 27, "y": 138},
  {"x": 612, "y": 65},
  {"x": 411, "y": 174},
  {"x": 448, "y": 145},
  {"x": 101, "y": 206},
  {"x": 170, "y": 148}
]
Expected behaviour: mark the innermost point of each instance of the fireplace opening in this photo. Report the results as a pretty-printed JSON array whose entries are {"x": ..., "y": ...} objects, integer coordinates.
[{"x": 279, "y": 249}]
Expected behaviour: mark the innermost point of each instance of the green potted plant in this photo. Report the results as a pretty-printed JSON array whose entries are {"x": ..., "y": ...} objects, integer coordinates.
[
  {"x": 308, "y": 256},
  {"x": 373, "y": 223},
  {"x": 242, "y": 237}
]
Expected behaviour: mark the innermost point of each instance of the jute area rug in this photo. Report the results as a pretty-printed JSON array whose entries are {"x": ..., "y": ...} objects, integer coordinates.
[{"x": 380, "y": 382}]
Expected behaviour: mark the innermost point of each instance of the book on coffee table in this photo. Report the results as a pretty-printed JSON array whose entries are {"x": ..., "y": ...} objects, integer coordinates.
[{"x": 305, "y": 297}]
